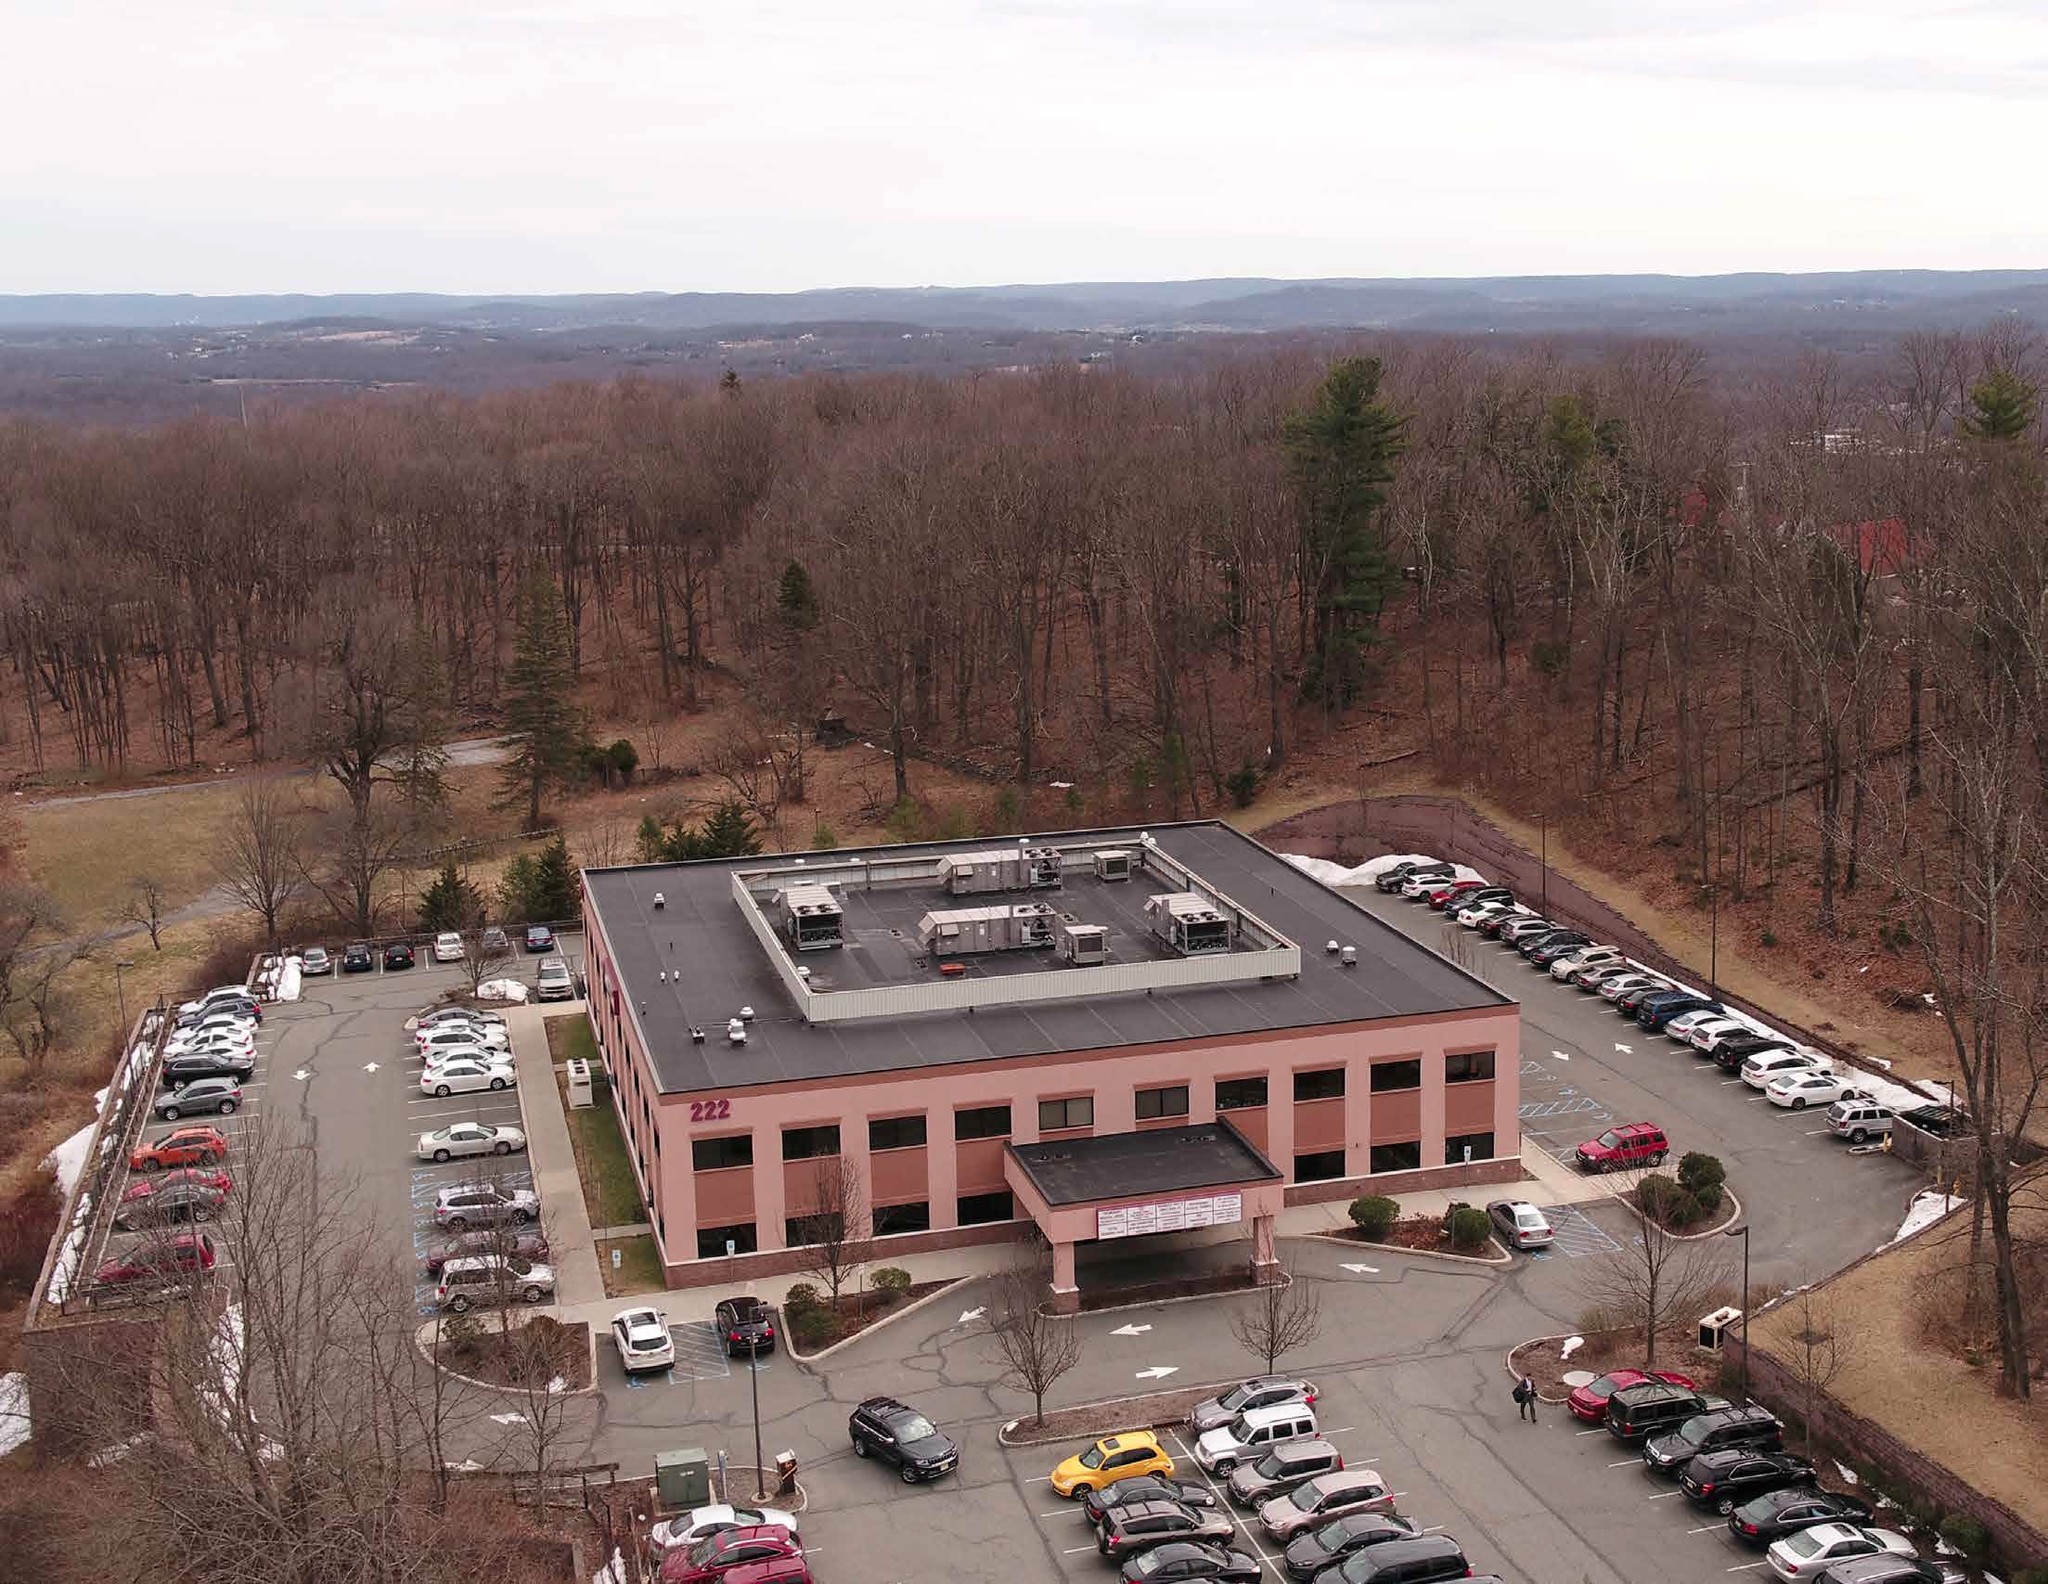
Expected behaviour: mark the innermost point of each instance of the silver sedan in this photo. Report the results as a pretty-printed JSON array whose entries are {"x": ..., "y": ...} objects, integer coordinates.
[{"x": 470, "y": 1138}]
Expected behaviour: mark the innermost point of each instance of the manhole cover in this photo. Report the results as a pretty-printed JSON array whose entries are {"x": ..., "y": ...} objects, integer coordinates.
[{"x": 1577, "y": 1378}]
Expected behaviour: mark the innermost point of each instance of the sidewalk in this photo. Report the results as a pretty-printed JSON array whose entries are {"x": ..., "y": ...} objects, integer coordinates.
[{"x": 572, "y": 1249}]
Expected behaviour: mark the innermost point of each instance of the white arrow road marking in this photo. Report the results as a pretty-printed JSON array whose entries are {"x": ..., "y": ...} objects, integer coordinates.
[
  {"x": 302, "y": 1075},
  {"x": 1626, "y": 1050},
  {"x": 1560, "y": 1055},
  {"x": 1364, "y": 1270},
  {"x": 508, "y": 1418},
  {"x": 1158, "y": 1372},
  {"x": 369, "y": 1066},
  {"x": 968, "y": 1316},
  {"x": 1130, "y": 1330}
]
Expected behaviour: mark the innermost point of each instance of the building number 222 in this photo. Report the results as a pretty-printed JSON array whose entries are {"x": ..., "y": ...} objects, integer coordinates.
[{"x": 710, "y": 1110}]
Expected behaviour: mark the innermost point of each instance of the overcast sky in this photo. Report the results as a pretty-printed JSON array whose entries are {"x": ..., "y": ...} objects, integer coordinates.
[{"x": 604, "y": 145}]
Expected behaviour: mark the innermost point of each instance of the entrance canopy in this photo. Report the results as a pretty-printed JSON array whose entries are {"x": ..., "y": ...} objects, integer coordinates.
[{"x": 1131, "y": 1184}]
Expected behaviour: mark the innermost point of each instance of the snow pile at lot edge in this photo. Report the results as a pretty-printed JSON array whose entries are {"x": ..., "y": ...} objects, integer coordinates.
[
  {"x": 501, "y": 990},
  {"x": 1927, "y": 1208},
  {"x": 13, "y": 1412},
  {"x": 67, "y": 1160}
]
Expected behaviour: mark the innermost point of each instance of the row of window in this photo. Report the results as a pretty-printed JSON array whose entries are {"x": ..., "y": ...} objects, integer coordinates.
[
  {"x": 1325, "y": 1165},
  {"x": 971, "y": 1210},
  {"x": 1078, "y": 1111}
]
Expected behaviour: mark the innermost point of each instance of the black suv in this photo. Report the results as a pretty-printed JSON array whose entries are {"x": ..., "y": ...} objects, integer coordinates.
[
  {"x": 1636, "y": 1413},
  {"x": 1139, "y": 1526},
  {"x": 1775, "y": 1514},
  {"x": 1324, "y": 1547},
  {"x": 1712, "y": 1432},
  {"x": 745, "y": 1325},
  {"x": 397, "y": 955},
  {"x": 884, "y": 1427},
  {"x": 181, "y": 1070},
  {"x": 1725, "y": 1480},
  {"x": 1393, "y": 879},
  {"x": 1732, "y": 1053},
  {"x": 1656, "y": 1011},
  {"x": 356, "y": 957},
  {"x": 1144, "y": 1487}
]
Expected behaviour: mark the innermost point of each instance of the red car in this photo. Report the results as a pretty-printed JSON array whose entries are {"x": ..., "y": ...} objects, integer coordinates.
[
  {"x": 185, "y": 1146},
  {"x": 176, "y": 1177},
  {"x": 184, "y": 1255},
  {"x": 1621, "y": 1148},
  {"x": 783, "y": 1570},
  {"x": 1589, "y": 1402},
  {"x": 717, "y": 1555},
  {"x": 1443, "y": 896}
]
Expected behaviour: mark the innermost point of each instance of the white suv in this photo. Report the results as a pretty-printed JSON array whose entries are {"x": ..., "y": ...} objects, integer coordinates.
[
  {"x": 555, "y": 982},
  {"x": 476, "y": 1279}
]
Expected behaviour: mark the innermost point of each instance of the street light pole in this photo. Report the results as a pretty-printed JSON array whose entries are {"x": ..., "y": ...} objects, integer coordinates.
[
  {"x": 754, "y": 1383},
  {"x": 1713, "y": 940},
  {"x": 1543, "y": 828},
  {"x": 121, "y": 994},
  {"x": 1743, "y": 1233}
]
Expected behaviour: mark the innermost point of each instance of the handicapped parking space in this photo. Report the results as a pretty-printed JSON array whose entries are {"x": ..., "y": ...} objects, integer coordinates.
[{"x": 1576, "y": 1234}]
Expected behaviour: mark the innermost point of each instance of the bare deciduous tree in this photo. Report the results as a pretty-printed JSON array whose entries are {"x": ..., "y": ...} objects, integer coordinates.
[
  {"x": 263, "y": 852},
  {"x": 145, "y": 906},
  {"x": 837, "y": 1231},
  {"x": 1655, "y": 1282},
  {"x": 34, "y": 1002},
  {"x": 1819, "y": 1347},
  {"x": 1035, "y": 1346},
  {"x": 1280, "y": 1317}
]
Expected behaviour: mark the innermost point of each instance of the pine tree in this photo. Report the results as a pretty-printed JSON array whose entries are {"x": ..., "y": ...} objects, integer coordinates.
[
  {"x": 450, "y": 903},
  {"x": 544, "y": 725},
  {"x": 2002, "y": 406},
  {"x": 728, "y": 833},
  {"x": 542, "y": 887},
  {"x": 795, "y": 598}
]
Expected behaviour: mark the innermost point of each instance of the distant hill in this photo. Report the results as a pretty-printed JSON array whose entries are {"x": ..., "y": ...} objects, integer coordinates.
[{"x": 1885, "y": 300}]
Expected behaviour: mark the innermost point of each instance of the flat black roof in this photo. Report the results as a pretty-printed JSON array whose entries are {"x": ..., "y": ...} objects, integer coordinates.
[
  {"x": 1129, "y": 1165},
  {"x": 695, "y": 963}
]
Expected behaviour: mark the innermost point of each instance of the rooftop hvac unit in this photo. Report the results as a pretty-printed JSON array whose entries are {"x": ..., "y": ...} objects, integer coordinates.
[
  {"x": 1348, "y": 957},
  {"x": 967, "y": 932},
  {"x": 1084, "y": 945},
  {"x": 1189, "y": 923},
  {"x": 1112, "y": 864},
  {"x": 1001, "y": 869},
  {"x": 811, "y": 917}
]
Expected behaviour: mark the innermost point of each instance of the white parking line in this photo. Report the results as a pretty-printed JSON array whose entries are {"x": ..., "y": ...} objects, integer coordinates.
[
  {"x": 1596, "y": 1430},
  {"x": 1747, "y": 1567},
  {"x": 1707, "y": 1528},
  {"x": 1664, "y": 1495},
  {"x": 1634, "y": 1462}
]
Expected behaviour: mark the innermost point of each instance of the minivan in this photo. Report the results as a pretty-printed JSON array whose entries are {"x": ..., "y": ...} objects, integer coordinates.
[
  {"x": 1421, "y": 1560},
  {"x": 1752, "y": 1426},
  {"x": 1635, "y": 1412},
  {"x": 1857, "y": 1120},
  {"x": 1280, "y": 1470},
  {"x": 1220, "y": 1451}
]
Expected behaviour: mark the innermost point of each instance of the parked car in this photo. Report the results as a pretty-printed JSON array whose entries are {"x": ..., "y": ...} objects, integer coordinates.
[
  {"x": 1796, "y": 1091},
  {"x": 1761, "y": 1068},
  {"x": 1775, "y": 1514},
  {"x": 644, "y": 1340},
  {"x": 699, "y": 1522},
  {"x": 554, "y": 982},
  {"x": 1261, "y": 1391},
  {"x": 469, "y": 1138},
  {"x": 1395, "y": 875},
  {"x": 474, "y": 1280},
  {"x": 1252, "y": 1485},
  {"x": 1750, "y": 1426},
  {"x": 1520, "y": 1224},
  {"x": 179, "y": 1071},
  {"x": 153, "y": 1202},
  {"x": 1629, "y": 1002},
  {"x": 456, "y": 1034},
  {"x": 1938, "y": 1121},
  {"x": 1732, "y": 1052},
  {"x": 201, "y": 1097},
  {"x": 539, "y": 938},
  {"x": 212, "y": 1042},
  {"x": 1703, "y": 1030},
  {"x": 1109, "y": 1460},
  {"x": 1551, "y": 947},
  {"x": 484, "y": 1204},
  {"x": 1655, "y": 1011},
  {"x": 1584, "y": 960},
  {"x": 1095, "y": 1501},
  {"x": 1620, "y": 984},
  {"x": 1811, "y": 1552},
  {"x": 1725, "y": 1480},
  {"x": 1418, "y": 880},
  {"x": 527, "y": 1245},
  {"x": 1479, "y": 895},
  {"x": 448, "y": 947},
  {"x": 1889, "y": 1569},
  {"x": 1479, "y": 914},
  {"x": 1621, "y": 1148},
  {"x": 465, "y": 1076},
  {"x": 1859, "y": 1119},
  {"x": 1308, "y": 1554},
  {"x": 494, "y": 943},
  {"x": 1515, "y": 930},
  {"x": 195, "y": 1176},
  {"x": 219, "y": 996},
  {"x": 185, "y": 1146},
  {"x": 1492, "y": 927},
  {"x": 721, "y": 1553},
  {"x": 1441, "y": 897},
  {"x": 157, "y": 1260},
  {"x": 1190, "y": 1559},
  {"x": 356, "y": 958},
  {"x": 1251, "y": 1432},
  {"x": 778, "y": 1570},
  {"x": 397, "y": 955},
  {"x": 745, "y": 1325},
  {"x": 435, "y": 1059},
  {"x": 1314, "y": 1502},
  {"x": 1125, "y": 1531},
  {"x": 1419, "y": 1559},
  {"x": 1635, "y": 1413},
  {"x": 1592, "y": 977},
  {"x": 1525, "y": 944},
  {"x": 315, "y": 961},
  {"x": 1589, "y": 1402},
  {"x": 884, "y": 1427},
  {"x": 474, "y": 1016}
]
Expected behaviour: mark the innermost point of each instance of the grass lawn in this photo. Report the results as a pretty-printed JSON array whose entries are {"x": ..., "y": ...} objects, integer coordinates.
[
  {"x": 87, "y": 855},
  {"x": 610, "y": 1192},
  {"x": 639, "y": 1266},
  {"x": 569, "y": 1039}
]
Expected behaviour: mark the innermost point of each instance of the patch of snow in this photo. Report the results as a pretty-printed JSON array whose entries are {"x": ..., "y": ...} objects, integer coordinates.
[
  {"x": 1571, "y": 1346},
  {"x": 501, "y": 990},
  {"x": 557, "y": 1386},
  {"x": 613, "y": 1572},
  {"x": 508, "y": 1418},
  {"x": 108, "y": 1455},
  {"x": 1848, "y": 1474},
  {"x": 67, "y": 1161},
  {"x": 100, "y": 1099},
  {"x": 1926, "y": 1209},
  {"x": 287, "y": 987},
  {"x": 13, "y": 1412},
  {"x": 1060, "y": 786}
]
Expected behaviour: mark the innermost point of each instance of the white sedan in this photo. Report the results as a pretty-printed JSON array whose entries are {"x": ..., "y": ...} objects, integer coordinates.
[
  {"x": 1472, "y": 918},
  {"x": 645, "y": 1343},
  {"x": 453, "y": 1036},
  {"x": 465, "y": 1077},
  {"x": 1810, "y": 1553},
  {"x": 1710, "y": 1031},
  {"x": 470, "y": 1138},
  {"x": 673, "y": 1532},
  {"x": 1812, "y": 1087},
  {"x": 1767, "y": 1067},
  {"x": 447, "y": 947}
]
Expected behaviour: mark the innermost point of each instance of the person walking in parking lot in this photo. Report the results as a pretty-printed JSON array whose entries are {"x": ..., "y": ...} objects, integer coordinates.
[{"x": 1525, "y": 1399}]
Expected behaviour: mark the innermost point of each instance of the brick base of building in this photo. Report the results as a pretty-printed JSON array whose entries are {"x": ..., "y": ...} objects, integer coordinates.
[{"x": 1476, "y": 1174}]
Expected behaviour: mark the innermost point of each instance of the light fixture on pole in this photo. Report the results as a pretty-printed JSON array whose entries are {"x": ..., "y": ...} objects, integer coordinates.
[{"x": 1743, "y": 1233}]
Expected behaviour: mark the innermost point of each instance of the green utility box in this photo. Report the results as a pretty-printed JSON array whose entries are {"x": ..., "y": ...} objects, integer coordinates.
[{"x": 683, "y": 1478}]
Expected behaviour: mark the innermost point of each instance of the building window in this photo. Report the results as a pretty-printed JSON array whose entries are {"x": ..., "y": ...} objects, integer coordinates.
[
  {"x": 1396, "y": 1157},
  {"x": 1320, "y": 1166},
  {"x": 1469, "y": 1067},
  {"x": 802, "y": 1231},
  {"x": 1078, "y": 1112},
  {"x": 807, "y": 1143},
  {"x": 982, "y": 1208},
  {"x": 1480, "y": 1144},
  {"x": 1325, "y": 1083},
  {"x": 1391, "y": 1077},
  {"x": 711, "y": 1241},
  {"x": 1156, "y": 1103},
  {"x": 1240, "y": 1094},
  {"x": 887, "y": 1133},
  {"x": 891, "y": 1219},
  {"x": 982, "y": 1122},
  {"x": 716, "y": 1154}
]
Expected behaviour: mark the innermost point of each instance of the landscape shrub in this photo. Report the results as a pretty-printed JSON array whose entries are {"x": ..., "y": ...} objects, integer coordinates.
[
  {"x": 1965, "y": 1533},
  {"x": 823, "y": 838},
  {"x": 1373, "y": 1214},
  {"x": 1668, "y": 1203},
  {"x": 1468, "y": 1227},
  {"x": 892, "y": 1282},
  {"x": 1702, "y": 1175},
  {"x": 802, "y": 1298},
  {"x": 1243, "y": 785}
]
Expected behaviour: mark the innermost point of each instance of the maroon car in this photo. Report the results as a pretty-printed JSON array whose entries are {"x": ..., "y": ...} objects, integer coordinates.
[
  {"x": 521, "y": 1245},
  {"x": 1589, "y": 1402},
  {"x": 185, "y": 1255}
]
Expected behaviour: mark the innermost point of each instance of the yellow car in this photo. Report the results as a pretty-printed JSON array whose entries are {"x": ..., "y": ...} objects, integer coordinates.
[{"x": 1109, "y": 1460}]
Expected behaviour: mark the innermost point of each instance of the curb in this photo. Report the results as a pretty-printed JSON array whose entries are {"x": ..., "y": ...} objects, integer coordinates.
[
  {"x": 1503, "y": 1258},
  {"x": 1161, "y": 1303},
  {"x": 422, "y": 1338},
  {"x": 1143, "y": 1421},
  {"x": 1734, "y": 1215},
  {"x": 1508, "y": 1362},
  {"x": 789, "y": 1342}
]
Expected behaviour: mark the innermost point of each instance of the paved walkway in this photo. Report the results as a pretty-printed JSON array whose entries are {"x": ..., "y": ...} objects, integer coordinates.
[{"x": 572, "y": 1249}]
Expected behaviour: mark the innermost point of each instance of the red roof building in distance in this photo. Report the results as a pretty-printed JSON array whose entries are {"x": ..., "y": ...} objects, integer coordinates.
[{"x": 1884, "y": 546}]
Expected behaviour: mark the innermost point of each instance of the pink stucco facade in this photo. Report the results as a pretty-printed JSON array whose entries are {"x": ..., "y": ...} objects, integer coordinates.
[{"x": 1415, "y": 1121}]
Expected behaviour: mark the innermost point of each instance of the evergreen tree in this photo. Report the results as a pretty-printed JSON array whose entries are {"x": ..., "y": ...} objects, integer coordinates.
[
  {"x": 796, "y": 599},
  {"x": 2002, "y": 406},
  {"x": 729, "y": 833},
  {"x": 1341, "y": 451},
  {"x": 544, "y": 725},
  {"x": 450, "y": 903},
  {"x": 542, "y": 887}
]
